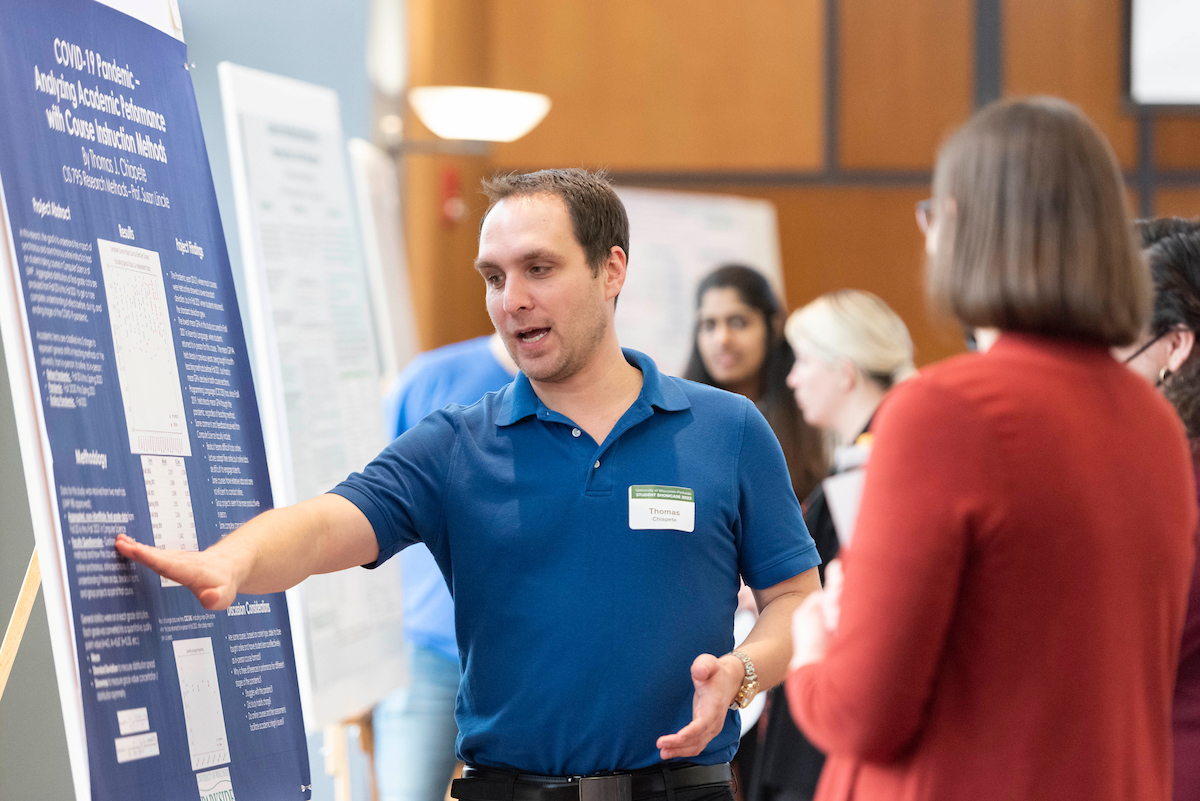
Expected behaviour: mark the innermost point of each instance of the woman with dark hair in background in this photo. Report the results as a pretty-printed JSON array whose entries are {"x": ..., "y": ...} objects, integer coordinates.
[
  {"x": 739, "y": 346},
  {"x": 1166, "y": 355},
  {"x": 1015, "y": 592}
]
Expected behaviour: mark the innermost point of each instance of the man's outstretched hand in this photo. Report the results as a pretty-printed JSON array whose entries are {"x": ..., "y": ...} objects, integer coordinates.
[
  {"x": 717, "y": 681},
  {"x": 209, "y": 575}
]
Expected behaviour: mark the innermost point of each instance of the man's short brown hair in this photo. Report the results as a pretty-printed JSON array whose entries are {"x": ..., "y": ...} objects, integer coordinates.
[
  {"x": 1037, "y": 234},
  {"x": 597, "y": 215}
]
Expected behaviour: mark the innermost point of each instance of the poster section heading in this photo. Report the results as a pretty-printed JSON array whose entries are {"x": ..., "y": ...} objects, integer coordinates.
[
  {"x": 105, "y": 108},
  {"x": 150, "y": 412}
]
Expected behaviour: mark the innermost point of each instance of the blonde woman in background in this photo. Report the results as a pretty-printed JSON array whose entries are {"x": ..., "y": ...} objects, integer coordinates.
[{"x": 850, "y": 349}]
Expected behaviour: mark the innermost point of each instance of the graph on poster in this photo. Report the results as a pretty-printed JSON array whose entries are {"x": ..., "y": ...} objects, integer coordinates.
[
  {"x": 202, "y": 711},
  {"x": 144, "y": 349}
]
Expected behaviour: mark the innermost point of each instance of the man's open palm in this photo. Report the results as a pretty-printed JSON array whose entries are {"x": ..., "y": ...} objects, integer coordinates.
[{"x": 716, "y": 683}]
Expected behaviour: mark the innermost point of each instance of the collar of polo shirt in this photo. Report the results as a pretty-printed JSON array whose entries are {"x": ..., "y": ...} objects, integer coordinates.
[{"x": 522, "y": 402}]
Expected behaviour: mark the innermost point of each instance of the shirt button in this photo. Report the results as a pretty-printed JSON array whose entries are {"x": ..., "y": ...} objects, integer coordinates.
[
  {"x": 575, "y": 432},
  {"x": 597, "y": 463}
]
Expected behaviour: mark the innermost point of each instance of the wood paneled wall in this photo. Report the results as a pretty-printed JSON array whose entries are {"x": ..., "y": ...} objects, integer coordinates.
[
  {"x": 906, "y": 76},
  {"x": 1179, "y": 202},
  {"x": 1072, "y": 49},
  {"x": 648, "y": 85},
  {"x": 448, "y": 46},
  {"x": 706, "y": 95},
  {"x": 1177, "y": 144}
]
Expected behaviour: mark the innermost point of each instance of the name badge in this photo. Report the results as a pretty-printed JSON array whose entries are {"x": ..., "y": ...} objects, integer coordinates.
[{"x": 655, "y": 507}]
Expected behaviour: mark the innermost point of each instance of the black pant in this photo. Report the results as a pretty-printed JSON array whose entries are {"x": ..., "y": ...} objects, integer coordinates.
[
  {"x": 709, "y": 792},
  {"x": 704, "y": 792}
]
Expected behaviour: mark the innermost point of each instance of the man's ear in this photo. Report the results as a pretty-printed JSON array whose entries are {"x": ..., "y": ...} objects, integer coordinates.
[
  {"x": 614, "y": 272},
  {"x": 1181, "y": 341}
]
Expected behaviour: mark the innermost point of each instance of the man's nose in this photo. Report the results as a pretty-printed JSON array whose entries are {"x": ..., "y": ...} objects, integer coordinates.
[{"x": 516, "y": 296}]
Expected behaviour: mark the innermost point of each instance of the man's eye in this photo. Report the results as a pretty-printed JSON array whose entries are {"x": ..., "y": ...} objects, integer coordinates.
[
  {"x": 492, "y": 280},
  {"x": 539, "y": 269}
]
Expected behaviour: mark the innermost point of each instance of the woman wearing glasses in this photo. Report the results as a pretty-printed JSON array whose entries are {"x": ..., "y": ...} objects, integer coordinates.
[
  {"x": 1013, "y": 600},
  {"x": 1166, "y": 355}
]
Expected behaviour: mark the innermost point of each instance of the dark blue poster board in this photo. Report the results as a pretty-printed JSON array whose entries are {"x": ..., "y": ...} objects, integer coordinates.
[{"x": 149, "y": 408}]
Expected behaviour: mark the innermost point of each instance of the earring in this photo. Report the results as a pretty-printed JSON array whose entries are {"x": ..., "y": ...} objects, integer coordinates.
[{"x": 1163, "y": 375}]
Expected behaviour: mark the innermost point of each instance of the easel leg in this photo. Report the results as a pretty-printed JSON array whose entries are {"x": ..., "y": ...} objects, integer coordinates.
[
  {"x": 337, "y": 760},
  {"x": 20, "y": 617},
  {"x": 366, "y": 741}
]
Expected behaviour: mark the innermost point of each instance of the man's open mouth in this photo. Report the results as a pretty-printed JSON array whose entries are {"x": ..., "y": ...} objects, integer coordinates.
[{"x": 531, "y": 335}]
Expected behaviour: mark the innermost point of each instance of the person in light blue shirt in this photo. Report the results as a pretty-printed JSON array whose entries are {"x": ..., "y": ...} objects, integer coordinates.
[
  {"x": 414, "y": 726},
  {"x": 591, "y": 520}
]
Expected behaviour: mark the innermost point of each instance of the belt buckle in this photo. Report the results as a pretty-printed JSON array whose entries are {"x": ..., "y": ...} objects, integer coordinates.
[{"x": 616, "y": 787}]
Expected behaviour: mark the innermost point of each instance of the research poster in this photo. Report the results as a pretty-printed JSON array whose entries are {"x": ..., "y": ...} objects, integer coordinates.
[
  {"x": 377, "y": 192},
  {"x": 121, "y": 310},
  {"x": 317, "y": 357},
  {"x": 675, "y": 239}
]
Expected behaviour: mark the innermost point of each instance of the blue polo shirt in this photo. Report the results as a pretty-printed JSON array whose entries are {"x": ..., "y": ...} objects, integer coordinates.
[
  {"x": 577, "y": 630},
  {"x": 459, "y": 373}
]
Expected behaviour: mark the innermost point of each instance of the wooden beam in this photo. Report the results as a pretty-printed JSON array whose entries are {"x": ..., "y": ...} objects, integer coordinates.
[{"x": 20, "y": 617}]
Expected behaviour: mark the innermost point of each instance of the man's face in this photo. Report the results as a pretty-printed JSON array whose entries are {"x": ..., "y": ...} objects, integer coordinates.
[{"x": 546, "y": 304}]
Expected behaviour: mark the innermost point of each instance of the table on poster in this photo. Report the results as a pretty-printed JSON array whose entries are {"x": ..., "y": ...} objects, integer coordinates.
[{"x": 136, "y": 410}]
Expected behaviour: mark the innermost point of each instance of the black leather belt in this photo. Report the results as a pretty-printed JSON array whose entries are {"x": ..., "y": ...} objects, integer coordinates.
[{"x": 491, "y": 784}]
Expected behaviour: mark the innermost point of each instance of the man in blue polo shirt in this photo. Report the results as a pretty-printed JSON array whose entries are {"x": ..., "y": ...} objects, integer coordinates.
[{"x": 592, "y": 520}]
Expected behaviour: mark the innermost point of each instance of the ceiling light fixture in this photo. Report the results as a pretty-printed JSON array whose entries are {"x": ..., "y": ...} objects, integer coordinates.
[{"x": 477, "y": 114}]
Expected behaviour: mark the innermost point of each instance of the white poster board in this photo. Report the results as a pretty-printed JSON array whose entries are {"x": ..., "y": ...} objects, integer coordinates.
[
  {"x": 1164, "y": 52},
  {"x": 676, "y": 238},
  {"x": 377, "y": 192},
  {"x": 317, "y": 365}
]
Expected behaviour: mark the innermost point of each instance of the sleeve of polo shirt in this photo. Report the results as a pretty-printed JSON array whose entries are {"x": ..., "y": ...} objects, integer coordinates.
[
  {"x": 401, "y": 491},
  {"x": 774, "y": 544}
]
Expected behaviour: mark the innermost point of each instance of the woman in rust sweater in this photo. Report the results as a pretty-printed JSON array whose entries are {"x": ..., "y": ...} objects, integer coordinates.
[{"x": 1010, "y": 619}]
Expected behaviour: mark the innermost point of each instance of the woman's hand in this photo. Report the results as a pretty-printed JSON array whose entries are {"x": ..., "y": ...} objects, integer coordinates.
[
  {"x": 746, "y": 602},
  {"x": 831, "y": 602},
  {"x": 816, "y": 620}
]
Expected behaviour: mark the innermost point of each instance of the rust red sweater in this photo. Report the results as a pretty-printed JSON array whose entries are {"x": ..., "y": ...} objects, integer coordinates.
[
  {"x": 1015, "y": 593},
  {"x": 1186, "y": 714}
]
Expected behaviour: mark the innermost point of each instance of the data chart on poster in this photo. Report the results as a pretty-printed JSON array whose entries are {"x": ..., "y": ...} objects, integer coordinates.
[
  {"x": 202, "y": 711},
  {"x": 137, "y": 746},
  {"x": 144, "y": 349},
  {"x": 170, "y": 502}
]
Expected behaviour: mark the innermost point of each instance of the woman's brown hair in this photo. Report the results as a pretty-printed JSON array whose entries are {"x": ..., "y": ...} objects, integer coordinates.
[{"x": 1033, "y": 227}]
